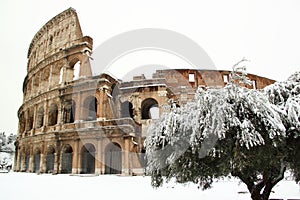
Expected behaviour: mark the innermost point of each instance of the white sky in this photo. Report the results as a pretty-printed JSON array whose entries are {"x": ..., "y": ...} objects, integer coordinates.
[{"x": 267, "y": 32}]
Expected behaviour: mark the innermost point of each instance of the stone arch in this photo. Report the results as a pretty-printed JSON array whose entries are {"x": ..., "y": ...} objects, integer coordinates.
[
  {"x": 113, "y": 159},
  {"x": 30, "y": 119},
  {"x": 88, "y": 159},
  {"x": 147, "y": 106},
  {"x": 74, "y": 69},
  {"x": 69, "y": 111},
  {"x": 50, "y": 159},
  {"x": 45, "y": 76},
  {"x": 53, "y": 114},
  {"x": 22, "y": 122},
  {"x": 40, "y": 117},
  {"x": 90, "y": 108},
  {"x": 37, "y": 160},
  {"x": 56, "y": 74},
  {"x": 126, "y": 109},
  {"x": 36, "y": 82},
  {"x": 27, "y": 158},
  {"x": 67, "y": 159}
]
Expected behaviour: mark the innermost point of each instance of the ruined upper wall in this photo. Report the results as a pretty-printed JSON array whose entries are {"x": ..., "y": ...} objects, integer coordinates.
[{"x": 58, "y": 33}]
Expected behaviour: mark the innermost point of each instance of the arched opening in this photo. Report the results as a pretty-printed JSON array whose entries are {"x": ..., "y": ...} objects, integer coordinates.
[
  {"x": 61, "y": 75},
  {"x": 37, "y": 161},
  {"x": 53, "y": 113},
  {"x": 114, "y": 91},
  {"x": 27, "y": 161},
  {"x": 22, "y": 123},
  {"x": 76, "y": 70},
  {"x": 126, "y": 109},
  {"x": 113, "y": 159},
  {"x": 40, "y": 117},
  {"x": 90, "y": 108},
  {"x": 69, "y": 111},
  {"x": 36, "y": 82},
  {"x": 150, "y": 109},
  {"x": 50, "y": 160},
  {"x": 30, "y": 120},
  {"x": 67, "y": 160},
  {"x": 88, "y": 159}
]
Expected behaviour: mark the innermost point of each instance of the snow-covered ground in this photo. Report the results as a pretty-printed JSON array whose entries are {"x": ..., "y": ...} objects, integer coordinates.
[{"x": 27, "y": 186}]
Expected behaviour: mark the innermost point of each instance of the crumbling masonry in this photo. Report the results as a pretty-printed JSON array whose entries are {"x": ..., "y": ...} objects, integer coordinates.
[{"x": 79, "y": 123}]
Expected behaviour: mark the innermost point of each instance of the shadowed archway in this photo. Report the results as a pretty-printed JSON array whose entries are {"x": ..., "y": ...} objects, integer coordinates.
[
  {"x": 113, "y": 159},
  {"x": 88, "y": 159}
]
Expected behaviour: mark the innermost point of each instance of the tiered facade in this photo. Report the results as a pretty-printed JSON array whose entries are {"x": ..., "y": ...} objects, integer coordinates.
[{"x": 73, "y": 122}]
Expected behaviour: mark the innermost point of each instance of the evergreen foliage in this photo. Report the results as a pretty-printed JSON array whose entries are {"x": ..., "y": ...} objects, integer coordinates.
[{"x": 231, "y": 131}]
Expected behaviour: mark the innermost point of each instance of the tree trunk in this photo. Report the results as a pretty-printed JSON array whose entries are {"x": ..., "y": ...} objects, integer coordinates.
[{"x": 262, "y": 189}]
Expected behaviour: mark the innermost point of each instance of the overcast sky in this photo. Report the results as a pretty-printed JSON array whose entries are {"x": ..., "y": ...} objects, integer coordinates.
[{"x": 267, "y": 32}]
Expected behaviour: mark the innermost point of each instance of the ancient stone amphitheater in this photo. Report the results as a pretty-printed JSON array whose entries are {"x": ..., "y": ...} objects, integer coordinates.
[{"x": 73, "y": 122}]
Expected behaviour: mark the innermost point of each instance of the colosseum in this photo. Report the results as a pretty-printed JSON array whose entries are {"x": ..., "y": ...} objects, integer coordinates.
[{"x": 72, "y": 121}]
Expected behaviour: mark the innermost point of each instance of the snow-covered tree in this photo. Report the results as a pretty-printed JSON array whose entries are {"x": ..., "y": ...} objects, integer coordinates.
[
  {"x": 230, "y": 131},
  {"x": 7, "y": 143},
  {"x": 286, "y": 96}
]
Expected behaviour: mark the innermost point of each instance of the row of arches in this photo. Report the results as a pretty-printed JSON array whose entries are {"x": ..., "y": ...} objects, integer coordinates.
[
  {"x": 51, "y": 77},
  {"x": 89, "y": 110},
  {"x": 113, "y": 160},
  {"x": 149, "y": 109}
]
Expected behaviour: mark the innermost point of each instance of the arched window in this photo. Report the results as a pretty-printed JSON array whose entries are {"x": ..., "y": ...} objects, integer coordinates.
[
  {"x": 40, "y": 117},
  {"x": 150, "y": 109},
  {"x": 113, "y": 159},
  {"x": 76, "y": 70},
  {"x": 90, "y": 108},
  {"x": 114, "y": 91},
  {"x": 67, "y": 160},
  {"x": 37, "y": 161},
  {"x": 53, "y": 113},
  {"x": 27, "y": 161},
  {"x": 88, "y": 159},
  {"x": 73, "y": 70},
  {"x": 30, "y": 120},
  {"x": 69, "y": 111},
  {"x": 126, "y": 109},
  {"x": 22, "y": 122},
  {"x": 61, "y": 74},
  {"x": 50, "y": 160}
]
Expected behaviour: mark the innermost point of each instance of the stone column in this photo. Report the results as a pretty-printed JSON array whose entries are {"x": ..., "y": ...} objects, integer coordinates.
[
  {"x": 46, "y": 114},
  {"x": 43, "y": 163},
  {"x": 23, "y": 164},
  {"x": 31, "y": 163},
  {"x": 125, "y": 155},
  {"x": 85, "y": 67},
  {"x": 98, "y": 158},
  {"x": 75, "y": 167},
  {"x": 60, "y": 113},
  {"x": 55, "y": 168},
  {"x": 35, "y": 116},
  {"x": 50, "y": 78},
  {"x": 78, "y": 105},
  {"x": 100, "y": 104}
]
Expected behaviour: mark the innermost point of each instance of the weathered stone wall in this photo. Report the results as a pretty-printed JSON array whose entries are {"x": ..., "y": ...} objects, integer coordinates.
[{"x": 79, "y": 123}]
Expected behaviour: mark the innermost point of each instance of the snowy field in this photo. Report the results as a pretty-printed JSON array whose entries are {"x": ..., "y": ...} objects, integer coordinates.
[{"x": 27, "y": 186}]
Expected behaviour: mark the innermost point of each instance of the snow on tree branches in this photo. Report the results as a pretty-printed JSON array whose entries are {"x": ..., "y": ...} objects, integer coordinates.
[{"x": 231, "y": 130}]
